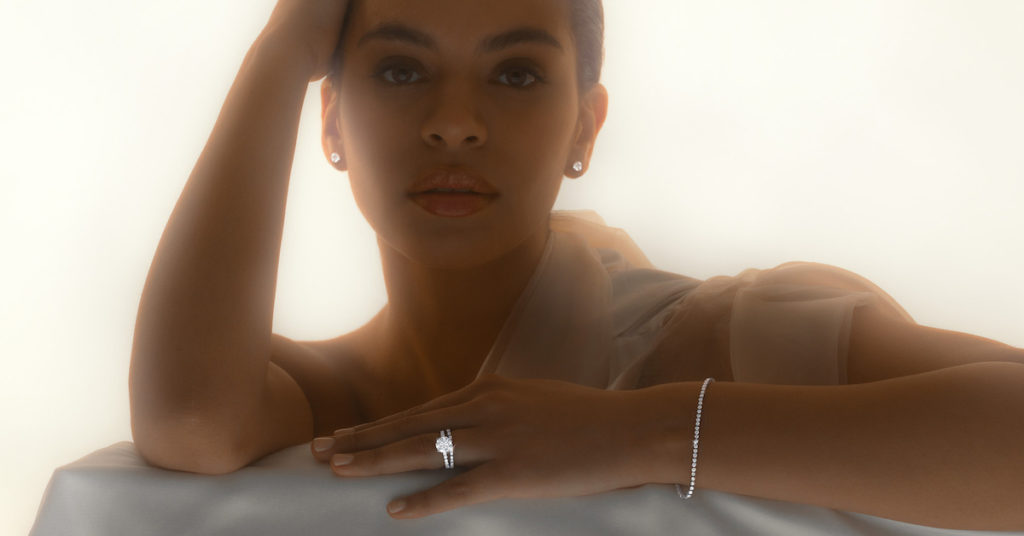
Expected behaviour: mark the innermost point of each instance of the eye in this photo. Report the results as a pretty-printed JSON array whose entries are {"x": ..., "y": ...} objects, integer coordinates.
[
  {"x": 521, "y": 74},
  {"x": 402, "y": 71},
  {"x": 402, "y": 74}
]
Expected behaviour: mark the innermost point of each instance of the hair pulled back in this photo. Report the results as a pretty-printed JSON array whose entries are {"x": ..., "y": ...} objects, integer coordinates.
[{"x": 587, "y": 24}]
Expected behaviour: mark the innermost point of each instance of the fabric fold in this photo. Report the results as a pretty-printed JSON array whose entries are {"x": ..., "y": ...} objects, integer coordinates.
[
  {"x": 791, "y": 324},
  {"x": 596, "y": 312}
]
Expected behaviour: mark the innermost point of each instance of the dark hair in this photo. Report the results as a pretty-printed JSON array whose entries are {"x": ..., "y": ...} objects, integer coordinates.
[{"x": 587, "y": 29}]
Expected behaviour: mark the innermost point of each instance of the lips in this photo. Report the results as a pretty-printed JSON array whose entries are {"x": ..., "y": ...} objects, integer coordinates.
[
  {"x": 452, "y": 180},
  {"x": 452, "y": 204}
]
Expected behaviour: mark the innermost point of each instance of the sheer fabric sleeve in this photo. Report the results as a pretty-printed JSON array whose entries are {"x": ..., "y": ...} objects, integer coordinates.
[
  {"x": 791, "y": 324},
  {"x": 592, "y": 228}
]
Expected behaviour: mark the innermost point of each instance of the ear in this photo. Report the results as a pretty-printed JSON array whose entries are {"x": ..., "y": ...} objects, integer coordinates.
[
  {"x": 331, "y": 139},
  {"x": 593, "y": 112}
]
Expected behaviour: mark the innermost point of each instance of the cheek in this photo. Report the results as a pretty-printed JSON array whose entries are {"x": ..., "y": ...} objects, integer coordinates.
[
  {"x": 368, "y": 125},
  {"x": 367, "y": 199},
  {"x": 540, "y": 152},
  {"x": 546, "y": 129},
  {"x": 379, "y": 165}
]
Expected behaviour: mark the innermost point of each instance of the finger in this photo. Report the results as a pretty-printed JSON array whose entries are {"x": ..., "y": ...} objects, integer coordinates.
[
  {"x": 459, "y": 396},
  {"x": 325, "y": 447},
  {"x": 415, "y": 453},
  {"x": 464, "y": 415},
  {"x": 349, "y": 440},
  {"x": 479, "y": 485}
]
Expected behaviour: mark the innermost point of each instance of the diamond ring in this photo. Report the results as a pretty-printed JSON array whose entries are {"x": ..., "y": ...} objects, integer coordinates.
[{"x": 446, "y": 447}]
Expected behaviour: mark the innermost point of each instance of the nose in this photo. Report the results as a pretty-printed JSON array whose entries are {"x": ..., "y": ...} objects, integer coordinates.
[{"x": 455, "y": 122}]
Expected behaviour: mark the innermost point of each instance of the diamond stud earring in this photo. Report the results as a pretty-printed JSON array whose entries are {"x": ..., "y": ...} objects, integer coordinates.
[
  {"x": 335, "y": 157},
  {"x": 578, "y": 166}
]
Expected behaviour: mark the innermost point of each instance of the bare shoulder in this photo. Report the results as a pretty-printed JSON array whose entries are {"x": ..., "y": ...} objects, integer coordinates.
[{"x": 325, "y": 371}]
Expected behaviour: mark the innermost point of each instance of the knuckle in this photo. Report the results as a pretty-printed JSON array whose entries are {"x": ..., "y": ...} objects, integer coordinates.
[
  {"x": 370, "y": 458},
  {"x": 490, "y": 402},
  {"x": 460, "y": 488},
  {"x": 486, "y": 404},
  {"x": 427, "y": 443},
  {"x": 345, "y": 441}
]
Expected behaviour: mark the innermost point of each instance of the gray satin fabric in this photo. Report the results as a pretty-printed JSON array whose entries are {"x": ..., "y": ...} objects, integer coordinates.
[
  {"x": 595, "y": 312},
  {"x": 113, "y": 492}
]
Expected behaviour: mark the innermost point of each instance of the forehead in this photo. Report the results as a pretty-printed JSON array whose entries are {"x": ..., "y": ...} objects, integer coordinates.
[{"x": 461, "y": 24}]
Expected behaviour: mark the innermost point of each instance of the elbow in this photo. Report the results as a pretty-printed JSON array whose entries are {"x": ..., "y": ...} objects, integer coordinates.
[{"x": 189, "y": 445}]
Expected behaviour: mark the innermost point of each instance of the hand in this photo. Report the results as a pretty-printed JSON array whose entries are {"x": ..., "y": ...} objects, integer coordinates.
[
  {"x": 308, "y": 27},
  {"x": 522, "y": 439}
]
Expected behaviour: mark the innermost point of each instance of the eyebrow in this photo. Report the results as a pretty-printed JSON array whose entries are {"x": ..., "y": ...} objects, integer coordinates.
[{"x": 396, "y": 31}]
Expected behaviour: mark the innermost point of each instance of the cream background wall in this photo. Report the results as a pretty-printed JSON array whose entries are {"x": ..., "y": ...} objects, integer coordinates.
[{"x": 884, "y": 137}]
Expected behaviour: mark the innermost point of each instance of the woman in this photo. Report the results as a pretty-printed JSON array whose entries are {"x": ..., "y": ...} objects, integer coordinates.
[{"x": 543, "y": 346}]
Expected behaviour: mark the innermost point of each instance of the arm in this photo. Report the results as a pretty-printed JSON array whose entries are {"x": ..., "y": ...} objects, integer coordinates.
[
  {"x": 943, "y": 448},
  {"x": 884, "y": 346},
  {"x": 940, "y": 446},
  {"x": 205, "y": 396},
  {"x": 202, "y": 345}
]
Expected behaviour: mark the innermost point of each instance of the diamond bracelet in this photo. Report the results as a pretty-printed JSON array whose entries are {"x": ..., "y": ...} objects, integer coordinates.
[{"x": 696, "y": 439}]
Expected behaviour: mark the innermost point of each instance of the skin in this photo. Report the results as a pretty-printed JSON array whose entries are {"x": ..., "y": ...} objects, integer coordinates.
[
  {"x": 455, "y": 107},
  {"x": 535, "y": 438},
  {"x": 940, "y": 448}
]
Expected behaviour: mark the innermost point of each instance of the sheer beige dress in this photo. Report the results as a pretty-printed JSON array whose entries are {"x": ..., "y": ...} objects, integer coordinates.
[{"x": 597, "y": 313}]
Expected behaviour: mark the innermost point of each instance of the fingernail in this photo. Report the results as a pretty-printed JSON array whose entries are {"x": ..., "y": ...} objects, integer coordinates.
[
  {"x": 342, "y": 459},
  {"x": 396, "y": 506},
  {"x": 321, "y": 444}
]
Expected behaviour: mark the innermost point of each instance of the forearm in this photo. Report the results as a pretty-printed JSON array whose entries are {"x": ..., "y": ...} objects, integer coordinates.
[
  {"x": 943, "y": 448},
  {"x": 203, "y": 331}
]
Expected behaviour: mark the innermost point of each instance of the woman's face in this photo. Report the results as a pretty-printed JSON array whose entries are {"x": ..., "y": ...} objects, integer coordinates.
[{"x": 511, "y": 115}]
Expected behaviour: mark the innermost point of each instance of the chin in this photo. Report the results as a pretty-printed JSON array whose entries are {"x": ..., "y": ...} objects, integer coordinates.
[
  {"x": 452, "y": 243},
  {"x": 451, "y": 250}
]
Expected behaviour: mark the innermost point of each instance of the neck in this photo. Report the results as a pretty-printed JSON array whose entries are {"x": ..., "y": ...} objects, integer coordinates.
[{"x": 439, "y": 325}]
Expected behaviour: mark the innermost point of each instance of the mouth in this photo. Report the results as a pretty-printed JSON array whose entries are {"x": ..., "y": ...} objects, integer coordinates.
[
  {"x": 449, "y": 191},
  {"x": 452, "y": 180},
  {"x": 452, "y": 192},
  {"x": 452, "y": 203}
]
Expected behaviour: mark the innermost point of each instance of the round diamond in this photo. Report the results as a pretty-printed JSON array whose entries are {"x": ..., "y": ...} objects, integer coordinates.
[{"x": 443, "y": 444}]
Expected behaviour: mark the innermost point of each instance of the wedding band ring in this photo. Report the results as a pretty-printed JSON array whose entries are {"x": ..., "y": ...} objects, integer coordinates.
[{"x": 446, "y": 447}]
